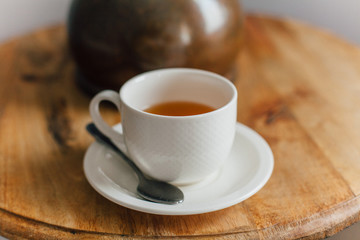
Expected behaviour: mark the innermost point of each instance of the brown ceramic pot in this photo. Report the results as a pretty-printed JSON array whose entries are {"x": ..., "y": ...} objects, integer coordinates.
[{"x": 114, "y": 40}]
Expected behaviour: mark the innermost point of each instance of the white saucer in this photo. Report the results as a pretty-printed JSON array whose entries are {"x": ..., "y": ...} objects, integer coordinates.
[{"x": 248, "y": 168}]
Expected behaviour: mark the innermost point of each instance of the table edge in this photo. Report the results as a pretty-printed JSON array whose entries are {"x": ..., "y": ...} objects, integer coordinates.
[{"x": 321, "y": 225}]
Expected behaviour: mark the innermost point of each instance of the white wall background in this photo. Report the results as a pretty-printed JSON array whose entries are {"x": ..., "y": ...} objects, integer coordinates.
[
  {"x": 21, "y": 16},
  {"x": 341, "y": 17}
]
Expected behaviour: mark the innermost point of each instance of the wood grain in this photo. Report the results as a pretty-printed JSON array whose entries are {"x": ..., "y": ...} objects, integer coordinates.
[{"x": 299, "y": 87}]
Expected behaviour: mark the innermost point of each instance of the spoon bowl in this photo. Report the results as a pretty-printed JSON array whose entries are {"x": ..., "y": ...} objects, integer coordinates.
[{"x": 160, "y": 192}]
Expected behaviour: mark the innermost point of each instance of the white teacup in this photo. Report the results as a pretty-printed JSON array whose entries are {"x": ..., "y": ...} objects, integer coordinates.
[{"x": 177, "y": 149}]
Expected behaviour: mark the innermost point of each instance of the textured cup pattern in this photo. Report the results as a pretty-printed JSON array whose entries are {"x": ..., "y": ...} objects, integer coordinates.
[{"x": 182, "y": 150}]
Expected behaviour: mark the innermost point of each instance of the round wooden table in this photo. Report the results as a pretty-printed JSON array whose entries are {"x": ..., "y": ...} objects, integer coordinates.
[{"x": 299, "y": 87}]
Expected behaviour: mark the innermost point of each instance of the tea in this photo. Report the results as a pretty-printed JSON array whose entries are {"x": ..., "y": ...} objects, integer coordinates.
[{"x": 179, "y": 108}]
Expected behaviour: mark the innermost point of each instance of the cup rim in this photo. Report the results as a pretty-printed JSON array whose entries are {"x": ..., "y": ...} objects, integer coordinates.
[{"x": 193, "y": 70}]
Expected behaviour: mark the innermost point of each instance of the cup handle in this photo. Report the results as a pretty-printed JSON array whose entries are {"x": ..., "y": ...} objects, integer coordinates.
[{"x": 94, "y": 107}]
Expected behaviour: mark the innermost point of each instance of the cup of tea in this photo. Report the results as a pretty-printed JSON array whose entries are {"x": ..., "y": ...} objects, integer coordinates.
[{"x": 178, "y": 124}]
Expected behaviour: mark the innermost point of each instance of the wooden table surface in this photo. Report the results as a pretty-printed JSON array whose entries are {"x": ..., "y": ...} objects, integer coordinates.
[{"x": 299, "y": 87}]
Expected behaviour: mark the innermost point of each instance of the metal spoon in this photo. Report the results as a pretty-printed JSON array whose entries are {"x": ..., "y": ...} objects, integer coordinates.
[{"x": 152, "y": 190}]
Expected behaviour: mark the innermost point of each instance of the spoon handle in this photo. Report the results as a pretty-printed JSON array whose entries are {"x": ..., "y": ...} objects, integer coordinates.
[{"x": 98, "y": 135}]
